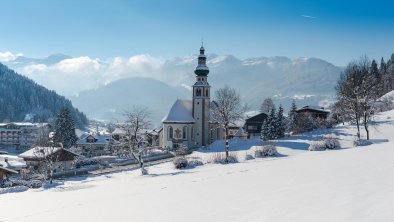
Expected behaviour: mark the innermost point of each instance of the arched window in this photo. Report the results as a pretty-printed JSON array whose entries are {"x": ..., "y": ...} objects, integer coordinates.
[
  {"x": 170, "y": 133},
  {"x": 184, "y": 133},
  {"x": 192, "y": 132},
  {"x": 206, "y": 92}
]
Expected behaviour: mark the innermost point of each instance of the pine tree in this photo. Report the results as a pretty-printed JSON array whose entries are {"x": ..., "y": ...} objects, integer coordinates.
[
  {"x": 269, "y": 127},
  {"x": 293, "y": 118},
  {"x": 280, "y": 123},
  {"x": 65, "y": 129},
  {"x": 377, "y": 78}
]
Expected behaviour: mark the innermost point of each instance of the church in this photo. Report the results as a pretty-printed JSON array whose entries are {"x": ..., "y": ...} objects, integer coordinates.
[{"x": 188, "y": 123}]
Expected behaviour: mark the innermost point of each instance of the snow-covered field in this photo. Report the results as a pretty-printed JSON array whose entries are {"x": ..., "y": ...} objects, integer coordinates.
[{"x": 351, "y": 184}]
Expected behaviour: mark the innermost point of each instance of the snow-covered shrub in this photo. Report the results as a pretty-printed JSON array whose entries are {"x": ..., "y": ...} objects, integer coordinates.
[
  {"x": 180, "y": 162},
  {"x": 194, "y": 163},
  {"x": 331, "y": 141},
  {"x": 361, "y": 142},
  {"x": 27, "y": 183},
  {"x": 317, "y": 146},
  {"x": 249, "y": 156},
  {"x": 5, "y": 184},
  {"x": 265, "y": 150},
  {"x": 85, "y": 162},
  {"x": 221, "y": 158},
  {"x": 13, "y": 189}
]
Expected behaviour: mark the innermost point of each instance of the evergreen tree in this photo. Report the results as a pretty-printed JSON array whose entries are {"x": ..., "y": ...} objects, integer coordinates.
[
  {"x": 292, "y": 118},
  {"x": 65, "y": 128},
  {"x": 377, "y": 78},
  {"x": 268, "y": 129},
  {"x": 280, "y": 123}
]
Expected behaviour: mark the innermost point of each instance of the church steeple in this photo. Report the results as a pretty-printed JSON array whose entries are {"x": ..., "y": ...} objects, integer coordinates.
[
  {"x": 201, "y": 101},
  {"x": 202, "y": 68}
]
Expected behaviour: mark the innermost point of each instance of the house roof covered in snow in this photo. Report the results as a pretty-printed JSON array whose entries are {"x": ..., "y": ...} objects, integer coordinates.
[
  {"x": 180, "y": 112},
  {"x": 101, "y": 139},
  {"x": 314, "y": 108},
  {"x": 7, "y": 170},
  {"x": 43, "y": 152}
]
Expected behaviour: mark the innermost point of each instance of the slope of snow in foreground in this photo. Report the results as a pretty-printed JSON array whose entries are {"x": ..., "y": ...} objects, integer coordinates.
[{"x": 352, "y": 184}]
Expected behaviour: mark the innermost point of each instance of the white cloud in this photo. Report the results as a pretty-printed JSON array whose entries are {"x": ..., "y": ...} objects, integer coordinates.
[
  {"x": 8, "y": 56},
  {"x": 80, "y": 64},
  {"x": 71, "y": 76}
]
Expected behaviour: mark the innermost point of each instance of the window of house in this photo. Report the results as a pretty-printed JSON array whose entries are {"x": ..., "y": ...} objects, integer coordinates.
[
  {"x": 252, "y": 127},
  {"x": 184, "y": 132},
  {"x": 170, "y": 133}
]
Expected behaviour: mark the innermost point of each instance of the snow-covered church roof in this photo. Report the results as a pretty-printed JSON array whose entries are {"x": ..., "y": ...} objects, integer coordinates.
[{"x": 180, "y": 112}]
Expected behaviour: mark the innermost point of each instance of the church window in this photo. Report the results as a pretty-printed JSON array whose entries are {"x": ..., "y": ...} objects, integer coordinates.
[
  {"x": 206, "y": 92},
  {"x": 184, "y": 132},
  {"x": 170, "y": 133},
  {"x": 198, "y": 92},
  {"x": 192, "y": 132}
]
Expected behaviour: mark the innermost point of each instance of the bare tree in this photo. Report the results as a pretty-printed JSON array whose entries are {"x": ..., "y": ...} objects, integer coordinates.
[
  {"x": 267, "y": 105},
  {"x": 357, "y": 92},
  {"x": 137, "y": 121},
  {"x": 347, "y": 93},
  {"x": 48, "y": 156},
  {"x": 227, "y": 111}
]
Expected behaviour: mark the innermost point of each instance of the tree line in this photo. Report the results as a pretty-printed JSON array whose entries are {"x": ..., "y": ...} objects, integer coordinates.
[{"x": 359, "y": 89}]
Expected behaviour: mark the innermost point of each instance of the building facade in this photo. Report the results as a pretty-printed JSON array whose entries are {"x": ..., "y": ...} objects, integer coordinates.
[
  {"x": 21, "y": 135},
  {"x": 188, "y": 122}
]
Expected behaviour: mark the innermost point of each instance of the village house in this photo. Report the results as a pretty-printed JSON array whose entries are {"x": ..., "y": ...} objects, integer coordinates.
[
  {"x": 314, "y": 111},
  {"x": 5, "y": 173},
  {"x": 21, "y": 135},
  {"x": 90, "y": 145},
  {"x": 253, "y": 124},
  {"x": 37, "y": 157},
  {"x": 188, "y": 123}
]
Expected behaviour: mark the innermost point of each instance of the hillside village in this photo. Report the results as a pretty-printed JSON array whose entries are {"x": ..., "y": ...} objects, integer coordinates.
[{"x": 32, "y": 153}]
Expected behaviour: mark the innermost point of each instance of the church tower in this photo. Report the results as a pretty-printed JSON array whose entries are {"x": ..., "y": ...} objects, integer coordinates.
[{"x": 201, "y": 101}]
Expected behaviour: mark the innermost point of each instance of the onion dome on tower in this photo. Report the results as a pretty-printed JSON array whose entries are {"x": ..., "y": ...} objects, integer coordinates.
[{"x": 202, "y": 68}]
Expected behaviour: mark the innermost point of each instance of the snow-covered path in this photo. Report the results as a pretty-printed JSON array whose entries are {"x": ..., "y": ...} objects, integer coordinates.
[{"x": 355, "y": 184}]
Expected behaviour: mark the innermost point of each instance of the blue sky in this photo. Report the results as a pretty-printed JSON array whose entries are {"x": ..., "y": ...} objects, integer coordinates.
[{"x": 337, "y": 31}]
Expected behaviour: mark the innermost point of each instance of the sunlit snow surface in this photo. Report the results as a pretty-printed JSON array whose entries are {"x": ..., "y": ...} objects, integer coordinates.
[{"x": 352, "y": 184}]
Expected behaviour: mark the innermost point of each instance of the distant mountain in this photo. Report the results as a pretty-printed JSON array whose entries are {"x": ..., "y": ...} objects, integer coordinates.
[
  {"x": 21, "y": 99},
  {"x": 159, "y": 82},
  {"x": 22, "y": 61},
  {"x": 309, "y": 81},
  {"x": 110, "y": 101}
]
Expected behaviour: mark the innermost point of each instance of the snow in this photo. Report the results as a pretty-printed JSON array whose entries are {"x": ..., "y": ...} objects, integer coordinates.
[
  {"x": 180, "y": 112},
  {"x": 350, "y": 184},
  {"x": 42, "y": 152}
]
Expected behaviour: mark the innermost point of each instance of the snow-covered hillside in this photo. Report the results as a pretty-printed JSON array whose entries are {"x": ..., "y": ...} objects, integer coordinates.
[{"x": 351, "y": 184}]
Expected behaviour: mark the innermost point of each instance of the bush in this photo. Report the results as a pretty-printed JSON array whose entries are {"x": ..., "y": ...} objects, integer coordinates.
[
  {"x": 329, "y": 141},
  {"x": 26, "y": 183},
  {"x": 249, "y": 156},
  {"x": 194, "y": 163},
  {"x": 317, "y": 146},
  {"x": 265, "y": 150},
  {"x": 221, "y": 158},
  {"x": 361, "y": 142},
  {"x": 180, "y": 162},
  {"x": 85, "y": 162}
]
